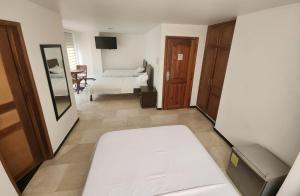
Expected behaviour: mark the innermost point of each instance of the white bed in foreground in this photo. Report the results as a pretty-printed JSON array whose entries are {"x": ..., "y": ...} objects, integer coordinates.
[{"x": 167, "y": 160}]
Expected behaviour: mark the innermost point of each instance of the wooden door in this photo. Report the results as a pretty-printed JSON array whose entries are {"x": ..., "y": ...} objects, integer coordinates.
[
  {"x": 214, "y": 67},
  {"x": 180, "y": 57},
  {"x": 18, "y": 145},
  {"x": 210, "y": 54}
]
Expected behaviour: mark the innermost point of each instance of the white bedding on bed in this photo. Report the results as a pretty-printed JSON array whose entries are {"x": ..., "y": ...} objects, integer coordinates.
[
  {"x": 120, "y": 73},
  {"x": 115, "y": 85},
  {"x": 59, "y": 86},
  {"x": 167, "y": 160}
]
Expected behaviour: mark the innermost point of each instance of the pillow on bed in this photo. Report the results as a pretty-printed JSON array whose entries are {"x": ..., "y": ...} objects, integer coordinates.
[
  {"x": 140, "y": 70},
  {"x": 142, "y": 79},
  {"x": 56, "y": 70}
]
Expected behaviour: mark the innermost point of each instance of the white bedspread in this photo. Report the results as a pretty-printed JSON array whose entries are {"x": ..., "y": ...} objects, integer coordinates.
[
  {"x": 120, "y": 73},
  {"x": 167, "y": 160},
  {"x": 115, "y": 85}
]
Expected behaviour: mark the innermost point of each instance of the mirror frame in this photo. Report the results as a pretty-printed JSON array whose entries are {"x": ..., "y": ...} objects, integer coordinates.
[{"x": 44, "y": 46}]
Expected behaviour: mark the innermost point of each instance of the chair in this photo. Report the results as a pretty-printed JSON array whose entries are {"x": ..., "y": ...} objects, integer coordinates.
[
  {"x": 76, "y": 83},
  {"x": 82, "y": 75}
]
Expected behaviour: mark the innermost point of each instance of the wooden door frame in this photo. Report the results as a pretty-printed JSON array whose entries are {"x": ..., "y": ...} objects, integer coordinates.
[
  {"x": 29, "y": 90},
  {"x": 191, "y": 68}
]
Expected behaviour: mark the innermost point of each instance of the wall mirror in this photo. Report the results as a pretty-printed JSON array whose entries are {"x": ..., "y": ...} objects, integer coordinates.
[{"x": 57, "y": 80}]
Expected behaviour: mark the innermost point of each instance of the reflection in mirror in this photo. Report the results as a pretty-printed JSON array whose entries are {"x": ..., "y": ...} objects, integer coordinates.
[{"x": 56, "y": 74}]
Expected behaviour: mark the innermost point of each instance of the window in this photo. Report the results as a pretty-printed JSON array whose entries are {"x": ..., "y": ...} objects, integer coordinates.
[{"x": 69, "y": 39}]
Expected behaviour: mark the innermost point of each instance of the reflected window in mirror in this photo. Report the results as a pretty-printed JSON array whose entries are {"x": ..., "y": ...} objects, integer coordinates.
[{"x": 57, "y": 80}]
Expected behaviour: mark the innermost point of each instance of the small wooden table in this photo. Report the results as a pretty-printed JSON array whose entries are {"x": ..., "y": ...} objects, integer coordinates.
[
  {"x": 75, "y": 78},
  {"x": 148, "y": 97}
]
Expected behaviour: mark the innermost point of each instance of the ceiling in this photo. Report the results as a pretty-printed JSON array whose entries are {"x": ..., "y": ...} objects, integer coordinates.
[{"x": 138, "y": 16}]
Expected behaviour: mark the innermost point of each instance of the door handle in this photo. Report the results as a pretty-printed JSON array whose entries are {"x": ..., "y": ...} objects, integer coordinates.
[{"x": 168, "y": 76}]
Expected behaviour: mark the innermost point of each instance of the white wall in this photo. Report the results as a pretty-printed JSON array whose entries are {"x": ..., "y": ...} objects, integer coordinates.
[
  {"x": 291, "y": 183},
  {"x": 42, "y": 26},
  {"x": 182, "y": 30},
  {"x": 87, "y": 52},
  {"x": 152, "y": 50},
  {"x": 128, "y": 55},
  {"x": 6, "y": 187},
  {"x": 261, "y": 93}
]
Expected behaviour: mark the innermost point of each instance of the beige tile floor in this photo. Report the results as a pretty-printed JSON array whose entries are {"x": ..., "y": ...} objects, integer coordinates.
[{"x": 65, "y": 175}]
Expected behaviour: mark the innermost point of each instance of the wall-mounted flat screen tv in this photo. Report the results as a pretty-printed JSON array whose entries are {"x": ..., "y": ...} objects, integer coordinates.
[{"x": 106, "y": 42}]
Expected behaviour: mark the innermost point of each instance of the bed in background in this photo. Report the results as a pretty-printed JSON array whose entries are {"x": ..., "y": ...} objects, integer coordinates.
[
  {"x": 121, "y": 73},
  {"x": 167, "y": 160},
  {"x": 123, "y": 84},
  {"x": 125, "y": 72}
]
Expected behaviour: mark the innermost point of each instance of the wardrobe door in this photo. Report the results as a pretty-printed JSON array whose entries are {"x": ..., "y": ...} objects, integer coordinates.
[
  {"x": 207, "y": 70},
  {"x": 220, "y": 69},
  {"x": 219, "y": 38},
  {"x": 227, "y": 35},
  {"x": 217, "y": 82},
  {"x": 208, "y": 66}
]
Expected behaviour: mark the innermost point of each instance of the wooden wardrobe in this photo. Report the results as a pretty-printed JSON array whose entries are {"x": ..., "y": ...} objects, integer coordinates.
[{"x": 217, "y": 48}]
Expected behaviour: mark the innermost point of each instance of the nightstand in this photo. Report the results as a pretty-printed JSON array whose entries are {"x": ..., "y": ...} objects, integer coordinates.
[{"x": 148, "y": 96}]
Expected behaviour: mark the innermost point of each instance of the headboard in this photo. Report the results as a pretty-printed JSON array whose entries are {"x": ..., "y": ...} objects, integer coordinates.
[
  {"x": 145, "y": 63},
  {"x": 149, "y": 70},
  {"x": 52, "y": 63}
]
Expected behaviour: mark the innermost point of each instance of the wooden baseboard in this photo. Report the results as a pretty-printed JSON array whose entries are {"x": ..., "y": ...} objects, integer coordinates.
[
  {"x": 213, "y": 122},
  {"x": 23, "y": 182},
  {"x": 65, "y": 137},
  {"x": 208, "y": 117},
  {"x": 222, "y": 136}
]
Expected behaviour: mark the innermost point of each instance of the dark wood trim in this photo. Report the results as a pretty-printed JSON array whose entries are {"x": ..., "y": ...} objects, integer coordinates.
[
  {"x": 10, "y": 129},
  {"x": 224, "y": 23},
  {"x": 36, "y": 107},
  {"x": 181, "y": 37},
  {"x": 191, "y": 68},
  {"x": 213, "y": 122},
  {"x": 222, "y": 136},
  {"x": 25, "y": 171},
  {"x": 207, "y": 116},
  {"x": 8, "y": 23},
  {"x": 20, "y": 94},
  {"x": 43, "y": 46},
  {"x": 66, "y": 137},
  {"x": 208, "y": 46},
  {"x": 7, "y": 107},
  {"x": 164, "y": 73}
]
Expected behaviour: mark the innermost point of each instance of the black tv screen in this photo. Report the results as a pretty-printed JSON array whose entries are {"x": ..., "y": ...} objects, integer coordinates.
[{"x": 106, "y": 42}]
